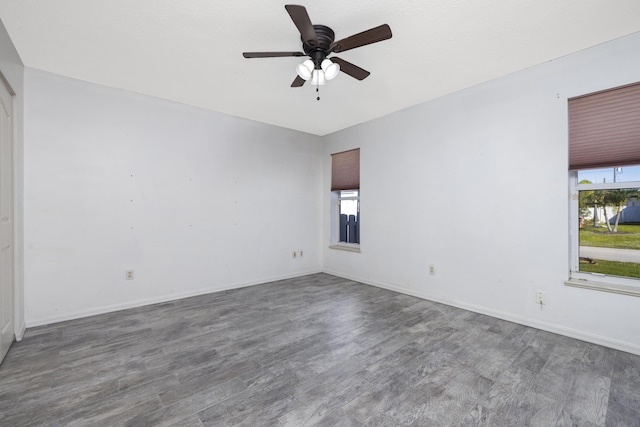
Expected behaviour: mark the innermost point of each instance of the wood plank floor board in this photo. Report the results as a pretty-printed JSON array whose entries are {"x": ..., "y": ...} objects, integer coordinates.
[
  {"x": 380, "y": 398},
  {"x": 204, "y": 393},
  {"x": 318, "y": 350},
  {"x": 530, "y": 409},
  {"x": 589, "y": 397},
  {"x": 331, "y": 383},
  {"x": 339, "y": 418},
  {"x": 567, "y": 419},
  {"x": 385, "y": 347},
  {"x": 624, "y": 394},
  {"x": 445, "y": 397},
  {"x": 259, "y": 405},
  {"x": 318, "y": 404}
]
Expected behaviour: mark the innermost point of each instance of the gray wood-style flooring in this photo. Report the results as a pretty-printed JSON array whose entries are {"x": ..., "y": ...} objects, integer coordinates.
[{"x": 316, "y": 350}]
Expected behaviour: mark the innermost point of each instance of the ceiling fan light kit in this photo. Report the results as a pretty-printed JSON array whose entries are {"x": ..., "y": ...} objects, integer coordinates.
[
  {"x": 318, "y": 43},
  {"x": 317, "y": 78},
  {"x": 305, "y": 69},
  {"x": 330, "y": 68}
]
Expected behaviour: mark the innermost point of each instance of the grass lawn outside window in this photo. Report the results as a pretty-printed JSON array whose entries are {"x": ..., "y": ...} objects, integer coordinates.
[{"x": 627, "y": 237}]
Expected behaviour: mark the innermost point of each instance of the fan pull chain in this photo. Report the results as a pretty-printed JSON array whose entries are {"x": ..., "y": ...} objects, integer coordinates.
[{"x": 318, "y": 93}]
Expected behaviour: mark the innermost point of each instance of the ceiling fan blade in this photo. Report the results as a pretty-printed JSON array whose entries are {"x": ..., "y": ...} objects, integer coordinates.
[
  {"x": 350, "y": 69},
  {"x": 374, "y": 35},
  {"x": 299, "y": 81},
  {"x": 270, "y": 54},
  {"x": 301, "y": 18}
]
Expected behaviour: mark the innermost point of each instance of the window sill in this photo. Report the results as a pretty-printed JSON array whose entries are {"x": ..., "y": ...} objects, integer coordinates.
[
  {"x": 349, "y": 248},
  {"x": 604, "y": 287}
]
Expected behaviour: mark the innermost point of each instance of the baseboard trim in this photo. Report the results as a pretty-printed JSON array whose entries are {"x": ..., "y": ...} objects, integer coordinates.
[
  {"x": 31, "y": 323},
  {"x": 522, "y": 320}
]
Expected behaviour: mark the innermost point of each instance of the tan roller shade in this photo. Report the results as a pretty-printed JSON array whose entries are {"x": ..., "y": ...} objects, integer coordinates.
[
  {"x": 345, "y": 170},
  {"x": 604, "y": 128}
]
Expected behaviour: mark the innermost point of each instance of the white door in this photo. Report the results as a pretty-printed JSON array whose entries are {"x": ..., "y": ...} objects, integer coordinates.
[{"x": 6, "y": 222}]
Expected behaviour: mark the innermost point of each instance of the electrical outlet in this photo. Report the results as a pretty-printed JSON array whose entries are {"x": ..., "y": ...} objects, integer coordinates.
[
  {"x": 294, "y": 254},
  {"x": 432, "y": 270},
  {"x": 540, "y": 298},
  {"x": 301, "y": 253},
  {"x": 129, "y": 275}
]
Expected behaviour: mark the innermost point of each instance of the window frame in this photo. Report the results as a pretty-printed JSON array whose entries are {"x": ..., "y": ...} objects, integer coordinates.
[
  {"x": 345, "y": 176},
  {"x": 335, "y": 242},
  {"x": 597, "y": 281}
]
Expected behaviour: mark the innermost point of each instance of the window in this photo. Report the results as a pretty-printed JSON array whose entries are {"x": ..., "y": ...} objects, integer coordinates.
[
  {"x": 345, "y": 200},
  {"x": 349, "y": 207},
  {"x": 604, "y": 171},
  {"x": 608, "y": 215}
]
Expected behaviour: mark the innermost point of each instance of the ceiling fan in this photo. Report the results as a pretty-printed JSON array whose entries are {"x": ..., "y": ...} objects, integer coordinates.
[{"x": 318, "y": 43}]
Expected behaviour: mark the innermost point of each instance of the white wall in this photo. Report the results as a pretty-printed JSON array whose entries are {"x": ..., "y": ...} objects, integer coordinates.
[
  {"x": 192, "y": 200},
  {"x": 13, "y": 71},
  {"x": 495, "y": 156}
]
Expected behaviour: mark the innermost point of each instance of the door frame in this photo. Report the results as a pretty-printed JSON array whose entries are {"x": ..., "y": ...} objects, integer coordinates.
[
  {"x": 18, "y": 214},
  {"x": 19, "y": 325},
  {"x": 9, "y": 157}
]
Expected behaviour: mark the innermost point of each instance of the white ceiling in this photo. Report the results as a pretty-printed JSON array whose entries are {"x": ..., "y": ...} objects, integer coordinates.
[{"x": 190, "y": 51}]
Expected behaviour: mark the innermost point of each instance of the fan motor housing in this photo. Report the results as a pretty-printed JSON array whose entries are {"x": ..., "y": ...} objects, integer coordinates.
[{"x": 325, "y": 38}]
